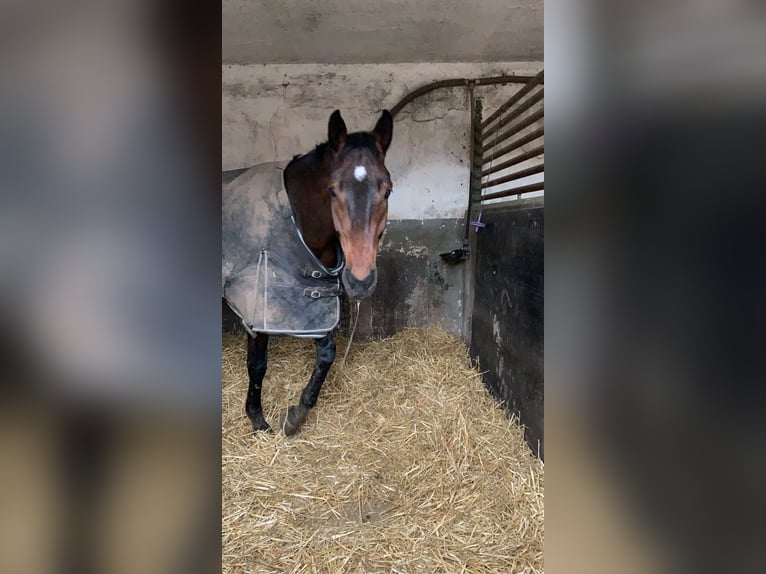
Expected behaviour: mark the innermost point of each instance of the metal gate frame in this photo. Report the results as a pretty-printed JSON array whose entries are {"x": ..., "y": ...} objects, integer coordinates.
[{"x": 488, "y": 145}]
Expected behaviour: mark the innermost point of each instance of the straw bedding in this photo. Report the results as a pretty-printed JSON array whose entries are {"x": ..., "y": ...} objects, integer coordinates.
[{"x": 406, "y": 464}]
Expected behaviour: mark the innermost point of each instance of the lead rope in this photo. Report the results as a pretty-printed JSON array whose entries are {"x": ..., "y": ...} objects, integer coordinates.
[{"x": 351, "y": 337}]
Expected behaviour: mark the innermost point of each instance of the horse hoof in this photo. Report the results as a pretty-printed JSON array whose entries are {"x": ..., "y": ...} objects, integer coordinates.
[
  {"x": 292, "y": 421},
  {"x": 260, "y": 425}
]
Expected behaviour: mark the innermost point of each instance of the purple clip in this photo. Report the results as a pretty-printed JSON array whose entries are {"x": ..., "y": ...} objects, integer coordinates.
[{"x": 478, "y": 224}]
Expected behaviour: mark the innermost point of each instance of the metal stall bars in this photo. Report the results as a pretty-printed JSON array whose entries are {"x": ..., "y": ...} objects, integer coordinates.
[{"x": 511, "y": 137}]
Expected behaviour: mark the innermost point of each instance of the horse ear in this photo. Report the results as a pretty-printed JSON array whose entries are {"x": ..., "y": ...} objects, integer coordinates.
[
  {"x": 384, "y": 130},
  {"x": 336, "y": 131}
]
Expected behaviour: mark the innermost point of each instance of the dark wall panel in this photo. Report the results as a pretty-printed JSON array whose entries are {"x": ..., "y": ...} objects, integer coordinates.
[
  {"x": 415, "y": 287},
  {"x": 507, "y": 321}
]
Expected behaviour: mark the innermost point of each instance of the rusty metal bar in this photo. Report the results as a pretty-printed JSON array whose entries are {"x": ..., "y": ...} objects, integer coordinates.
[
  {"x": 515, "y": 145},
  {"x": 514, "y": 160},
  {"x": 513, "y": 114},
  {"x": 514, "y": 176},
  {"x": 535, "y": 81},
  {"x": 516, "y": 128},
  {"x": 458, "y": 82},
  {"x": 474, "y": 184},
  {"x": 474, "y": 190},
  {"x": 515, "y": 191}
]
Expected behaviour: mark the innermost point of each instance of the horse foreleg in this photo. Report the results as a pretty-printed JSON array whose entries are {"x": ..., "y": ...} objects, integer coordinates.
[
  {"x": 256, "y": 370},
  {"x": 292, "y": 421}
]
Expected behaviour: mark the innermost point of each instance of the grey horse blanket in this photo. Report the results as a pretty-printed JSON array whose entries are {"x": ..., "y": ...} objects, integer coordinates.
[{"x": 270, "y": 278}]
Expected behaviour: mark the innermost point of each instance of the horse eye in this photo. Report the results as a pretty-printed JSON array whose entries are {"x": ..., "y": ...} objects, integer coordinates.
[
  {"x": 332, "y": 191},
  {"x": 388, "y": 192}
]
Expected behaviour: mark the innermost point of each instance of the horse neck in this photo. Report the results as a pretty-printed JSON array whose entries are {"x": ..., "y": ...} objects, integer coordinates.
[{"x": 306, "y": 181}]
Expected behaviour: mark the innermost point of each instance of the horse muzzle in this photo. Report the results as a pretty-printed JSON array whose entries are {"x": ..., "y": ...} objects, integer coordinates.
[{"x": 359, "y": 289}]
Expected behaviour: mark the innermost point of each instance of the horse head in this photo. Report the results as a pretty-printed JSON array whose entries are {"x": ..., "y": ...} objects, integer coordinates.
[{"x": 359, "y": 189}]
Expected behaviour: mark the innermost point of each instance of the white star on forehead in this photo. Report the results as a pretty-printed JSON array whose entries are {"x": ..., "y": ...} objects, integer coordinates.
[{"x": 360, "y": 173}]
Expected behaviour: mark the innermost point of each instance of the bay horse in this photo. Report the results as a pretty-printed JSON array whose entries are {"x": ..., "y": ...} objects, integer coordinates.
[{"x": 338, "y": 194}]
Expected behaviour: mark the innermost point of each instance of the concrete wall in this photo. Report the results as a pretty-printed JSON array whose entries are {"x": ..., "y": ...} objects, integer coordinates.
[
  {"x": 351, "y": 32},
  {"x": 272, "y": 112}
]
